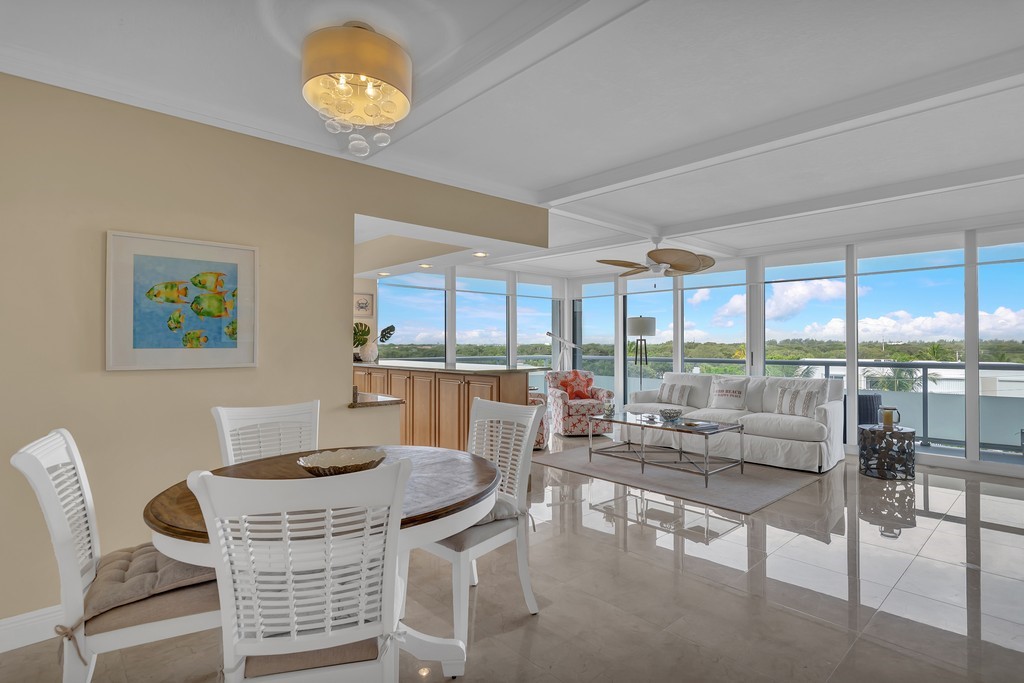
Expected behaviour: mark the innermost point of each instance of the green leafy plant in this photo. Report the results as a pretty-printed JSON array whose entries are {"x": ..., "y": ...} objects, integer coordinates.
[
  {"x": 360, "y": 334},
  {"x": 386, "y": 333}
]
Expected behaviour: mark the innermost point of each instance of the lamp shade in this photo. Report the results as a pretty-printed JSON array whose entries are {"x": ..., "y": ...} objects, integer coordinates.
[
  {"x": 641, "y": 326},
  {"x": 356, "y": 74}
]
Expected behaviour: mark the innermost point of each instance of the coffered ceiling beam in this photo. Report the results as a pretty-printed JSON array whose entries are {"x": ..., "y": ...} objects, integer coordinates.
[
  {"x": 986, "y": 175},
  {"x": 982, "y": 77}
]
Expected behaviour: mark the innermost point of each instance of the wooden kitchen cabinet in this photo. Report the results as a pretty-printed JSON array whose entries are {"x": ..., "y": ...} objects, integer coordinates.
[{"x": 437, "y": 403}]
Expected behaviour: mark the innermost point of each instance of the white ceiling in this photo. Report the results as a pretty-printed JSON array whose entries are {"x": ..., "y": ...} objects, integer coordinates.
[{"x": 735, "y": 128}]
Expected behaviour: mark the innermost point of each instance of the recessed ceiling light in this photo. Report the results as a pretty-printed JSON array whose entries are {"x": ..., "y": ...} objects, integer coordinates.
[
  {"x": 480, "y": 254},
  {"x": 426, "y": 265},
  {"x": 383, "y": 274}
]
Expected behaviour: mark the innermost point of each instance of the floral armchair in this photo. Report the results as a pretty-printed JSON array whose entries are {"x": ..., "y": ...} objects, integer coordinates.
[{"x": 572, "y": 398}]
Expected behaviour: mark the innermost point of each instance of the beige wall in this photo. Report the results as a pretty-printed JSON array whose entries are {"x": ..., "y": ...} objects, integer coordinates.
[
  {"x": 391, "y": 250},
  {"x": 76, "y": 166}
]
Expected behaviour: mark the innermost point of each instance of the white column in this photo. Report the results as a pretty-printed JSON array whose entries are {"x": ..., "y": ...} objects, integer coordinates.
[
  {"x": 678, "y": 322},
  {"x": 449, "y": 314},
  {"x": 972, "y": 351},
  {"x": 620, "y": 351},
  {"x": 852, "y": 371},
  {"x": 512, "y": 321},
  {"x": 755, "y": 316}
]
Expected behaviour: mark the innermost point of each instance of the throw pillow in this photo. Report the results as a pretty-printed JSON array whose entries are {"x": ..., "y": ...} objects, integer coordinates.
[
  {"x": 673, "y": 393},
  {"x": 797, "y": 402},
  {"x": 576, "y": 385},
  {"x": 728, "y": 393},
  {"x": 503, "y": 509}
]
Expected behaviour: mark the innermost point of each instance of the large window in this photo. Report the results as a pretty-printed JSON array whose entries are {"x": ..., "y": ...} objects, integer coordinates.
[
  {"x": 1001, "y": 348},
  {"x": 911, "y": 342},
  {"x": 652, "y": 298},
  {"x": 537, "y": 313},
  {"x": 715, "y": 322},
  {"x": 805, "y": 320},
  {"x": 414, "y": 304},
  {"x": 481, "y": 320},
  {"x": 595, "y": 332}
]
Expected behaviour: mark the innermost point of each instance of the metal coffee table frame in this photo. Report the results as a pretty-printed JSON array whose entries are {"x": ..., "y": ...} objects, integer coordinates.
[{"x": 627, "y": 450}]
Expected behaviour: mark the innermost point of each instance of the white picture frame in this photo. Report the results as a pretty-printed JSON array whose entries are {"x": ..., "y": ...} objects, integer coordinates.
[
  {"x": 199, "y": 308},
  {"x": 362, "y": 305}
]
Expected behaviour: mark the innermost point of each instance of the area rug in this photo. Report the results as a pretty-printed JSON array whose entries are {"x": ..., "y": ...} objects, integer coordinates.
[{"x": 758, "y": 486}]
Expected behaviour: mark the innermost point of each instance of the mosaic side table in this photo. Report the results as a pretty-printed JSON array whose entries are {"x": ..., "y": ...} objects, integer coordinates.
[{"x": 887, "y": 452}]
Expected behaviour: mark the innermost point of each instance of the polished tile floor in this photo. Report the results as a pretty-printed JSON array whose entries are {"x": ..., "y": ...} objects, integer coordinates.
[{"x": 847, "y": 579}]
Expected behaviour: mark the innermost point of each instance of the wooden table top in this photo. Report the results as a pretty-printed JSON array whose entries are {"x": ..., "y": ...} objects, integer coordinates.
[{"x": 442, "y": 482}]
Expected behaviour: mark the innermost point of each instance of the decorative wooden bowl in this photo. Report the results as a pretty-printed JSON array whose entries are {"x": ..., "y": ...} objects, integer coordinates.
[{"x": 341, "y": 461}]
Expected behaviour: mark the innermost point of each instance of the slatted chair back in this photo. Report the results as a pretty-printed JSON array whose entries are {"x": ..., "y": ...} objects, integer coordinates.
[
  {"x": 254, "y": 433},
  {"x": 304, "y": 564},
  {"x": 53, "y": 467},
  {"x": 504, "y": 434}
]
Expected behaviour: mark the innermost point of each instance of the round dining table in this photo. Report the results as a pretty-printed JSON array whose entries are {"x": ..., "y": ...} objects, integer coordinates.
[{"x": 447, "y": 491}]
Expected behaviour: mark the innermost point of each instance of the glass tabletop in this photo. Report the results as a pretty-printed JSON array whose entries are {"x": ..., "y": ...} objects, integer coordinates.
[{"x": 654, "y": 420}]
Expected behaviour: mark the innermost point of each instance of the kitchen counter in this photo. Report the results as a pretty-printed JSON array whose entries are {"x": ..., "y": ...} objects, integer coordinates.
[
  {"x": 458, "y": 368},
  {"x": 368, "y": 400}
]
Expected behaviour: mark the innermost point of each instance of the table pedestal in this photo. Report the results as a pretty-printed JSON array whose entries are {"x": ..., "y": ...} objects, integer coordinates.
[{"x": 887, "y": 452}]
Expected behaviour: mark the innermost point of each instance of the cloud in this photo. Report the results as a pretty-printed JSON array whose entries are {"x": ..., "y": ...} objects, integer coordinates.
[
  {"x": 1003, "y": 323},
  {"x": 788, "y": 299},
  {"x": 700, "y": 296},
  {"x": 734, "y": 307},
  {"x": 660, "y": 336},
  {"x": 485, "y": 335},
  {"x": 419, "y": 337},
  {"x": 834, "y": 329},
  {"x": 692, "y": 334},
  {"x": 902, "y": 326}
]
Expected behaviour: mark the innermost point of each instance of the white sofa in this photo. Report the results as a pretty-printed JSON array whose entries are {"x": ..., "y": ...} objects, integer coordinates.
[{"x": 814, "y": 443}]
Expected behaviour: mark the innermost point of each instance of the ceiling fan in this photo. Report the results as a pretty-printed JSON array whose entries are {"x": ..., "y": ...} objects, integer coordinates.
[{"x": 667, "y": 262}]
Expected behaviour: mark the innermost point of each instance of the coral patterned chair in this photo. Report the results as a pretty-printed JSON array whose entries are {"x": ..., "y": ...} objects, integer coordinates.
[{"x": 572, "y": 398}]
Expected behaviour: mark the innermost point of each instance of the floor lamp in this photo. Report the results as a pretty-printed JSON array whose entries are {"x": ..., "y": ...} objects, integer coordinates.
[{"x": 640, "y": 327}]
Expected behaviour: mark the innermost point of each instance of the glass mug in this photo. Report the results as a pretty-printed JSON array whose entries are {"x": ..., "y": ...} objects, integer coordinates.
[
  {"x": 609, "y": 408},
  {"x": 888, "y": 416}
]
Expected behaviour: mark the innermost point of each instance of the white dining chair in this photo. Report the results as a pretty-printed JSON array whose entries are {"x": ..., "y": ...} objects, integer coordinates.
[
  {"x": 122, "y": 599},
  {"x": 261, "y": 432},
  {"x": 308, "y": 573},
  {"x": 504, "y": 434}
]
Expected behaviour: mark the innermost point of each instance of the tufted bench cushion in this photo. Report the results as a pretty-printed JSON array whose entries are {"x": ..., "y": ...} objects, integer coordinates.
[{"x": 132, "y": 574}]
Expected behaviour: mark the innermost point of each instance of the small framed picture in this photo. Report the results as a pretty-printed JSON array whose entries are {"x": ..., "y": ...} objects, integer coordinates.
[
  {"x": 362, "y": 305},
  {"x": 175, "y": 303}
]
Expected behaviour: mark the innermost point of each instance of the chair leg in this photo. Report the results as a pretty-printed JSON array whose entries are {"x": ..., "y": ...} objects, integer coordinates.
[
  {"x": 474, "y": 577},
  {"x": 403, "y": 574},
  {"x": 522, "y": 555},
  {"x": 74, "y": 670},
  {"x": 461, "y": 570}
]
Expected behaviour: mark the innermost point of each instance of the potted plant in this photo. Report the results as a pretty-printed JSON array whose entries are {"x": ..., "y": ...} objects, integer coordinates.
[{"x": 365, "y": 348}]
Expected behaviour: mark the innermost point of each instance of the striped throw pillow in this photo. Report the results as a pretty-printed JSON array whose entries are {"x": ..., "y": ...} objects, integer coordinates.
[
  {"x": 673, "y": 393},
  {"x": 797, "y": 402}
]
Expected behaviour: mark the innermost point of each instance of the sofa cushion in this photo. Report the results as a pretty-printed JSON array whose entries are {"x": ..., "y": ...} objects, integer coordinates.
[
  {"x": 728, "y": 392},
  {"x": 700, "y": 386},
  {"x": 773, "y": 385},
  {"x": 792, "y": 427},
  {"x": 724, "y": 415},
  {"x": 755, "y": 393},
  {"x": 588, "y": 406},
  {"x": 801, "y": 402},
  {"x": 673, "y": 393}
]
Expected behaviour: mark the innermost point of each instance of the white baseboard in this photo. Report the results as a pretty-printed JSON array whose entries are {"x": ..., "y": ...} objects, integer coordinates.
[{"x": 31, "y": 627}]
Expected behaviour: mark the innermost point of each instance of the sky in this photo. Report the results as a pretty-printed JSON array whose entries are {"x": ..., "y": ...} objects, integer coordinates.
[{"x": 920, "y": 305}]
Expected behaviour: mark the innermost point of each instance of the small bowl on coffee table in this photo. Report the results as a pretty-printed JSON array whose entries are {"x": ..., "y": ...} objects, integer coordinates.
[{"x": 670, "y": 414}]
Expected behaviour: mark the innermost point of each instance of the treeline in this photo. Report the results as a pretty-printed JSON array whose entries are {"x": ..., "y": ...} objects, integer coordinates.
[{"x": 992, "y": 351}]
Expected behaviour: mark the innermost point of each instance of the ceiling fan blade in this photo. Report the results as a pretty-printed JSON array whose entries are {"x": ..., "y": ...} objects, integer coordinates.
[
  {"x": 621, "y": 264},
  {"x": 676, "y": 259},
  {"x": 635, "y": 271},
  {"x": 705, "y": 261},
  {"x": 672, "y": 272}
]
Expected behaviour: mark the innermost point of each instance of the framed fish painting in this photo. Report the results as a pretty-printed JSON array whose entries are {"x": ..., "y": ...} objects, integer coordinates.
[{"x": 175, "y": 303}]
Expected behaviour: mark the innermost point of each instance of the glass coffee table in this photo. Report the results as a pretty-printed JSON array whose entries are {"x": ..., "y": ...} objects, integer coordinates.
[{"x": 679, "y": 459}]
